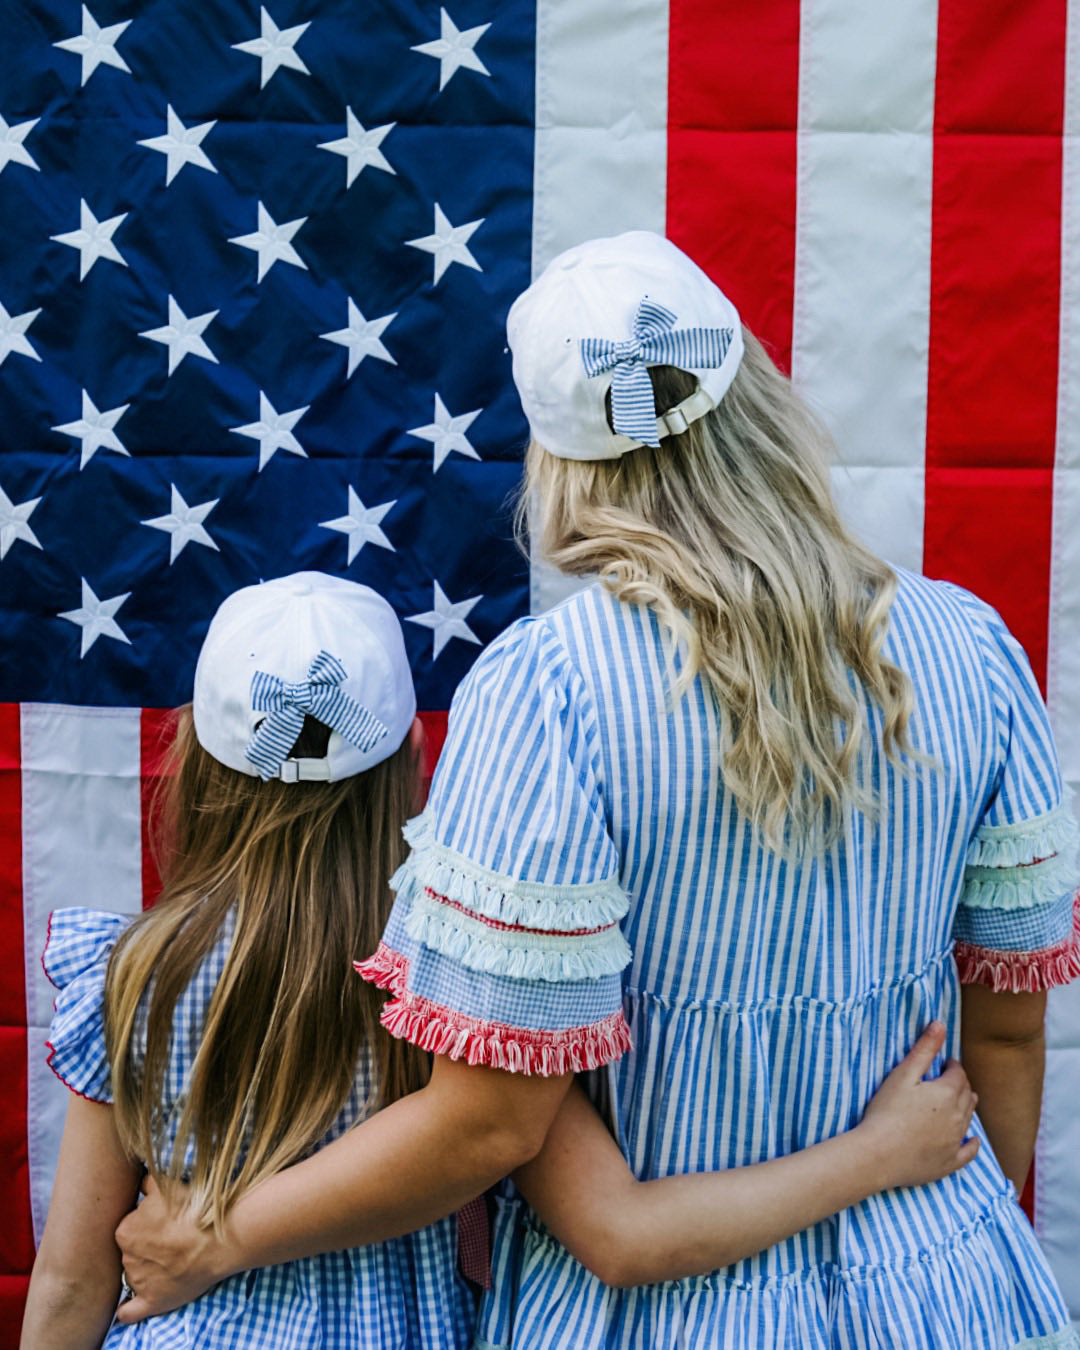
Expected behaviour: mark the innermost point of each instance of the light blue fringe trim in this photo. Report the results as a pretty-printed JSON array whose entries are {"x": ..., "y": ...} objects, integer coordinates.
[
  {"x": 1020, "y": 887},
  {"x": 1024, "y": 841},
  {"x": 522, "y": 956},
  {"x": 532, "y": 904}
]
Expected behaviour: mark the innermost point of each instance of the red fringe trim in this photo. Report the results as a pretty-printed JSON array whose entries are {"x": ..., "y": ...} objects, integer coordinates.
[
  {"x": 1022, "y": 972},
  {"x": 387, "y": 969},
  {"x": 515, "y": 927},
  {"x": 442, "y": 1031}
]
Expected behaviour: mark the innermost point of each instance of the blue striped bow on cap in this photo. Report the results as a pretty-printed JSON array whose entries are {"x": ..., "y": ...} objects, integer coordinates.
[
  {"x": 320, "y": 695},
  {"x": 656, "y": 342}
]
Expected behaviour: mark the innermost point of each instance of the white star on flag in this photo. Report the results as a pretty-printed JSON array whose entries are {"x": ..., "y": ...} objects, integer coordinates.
[
  {"x": 183, "y": 336},
  {"x": 184, "y": 524},
  {"x": 360, "y": 147},
  {"x": 448, "y": 243},
  {"x": 272, "y": 242},
  {"x": 93, "y": 239},
  {"x": 96, "y": 45},
  {"x": 274, "y": 48},
  {"x": 362, "y": 524},
  {"x": 96, "y": 618},
  {"x": 181, "y": 145},
  {"x": 447, "y": 433},
  {"x": 273, "y": 431},
  {"x": 453, "y": 49},
  {"x": 14, "y": 522},
  {"x": 12, "y": 150},
  {"x": 362, "y": 337},
  {"x": 95, "y": 429},
  {"x": 13, "y": 334},
  {"x": 447, "y": 620}
]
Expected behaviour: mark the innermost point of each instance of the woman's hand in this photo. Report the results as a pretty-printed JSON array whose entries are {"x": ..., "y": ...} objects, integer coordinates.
[
  {"x": 917, "y": 1127},
  {"x": 168, "y": 1258}
]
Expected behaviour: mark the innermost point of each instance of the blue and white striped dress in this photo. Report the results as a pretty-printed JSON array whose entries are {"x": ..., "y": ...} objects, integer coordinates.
[
  {"x": 405, "y": 1294},
  {"x": 582, "y": 882}
]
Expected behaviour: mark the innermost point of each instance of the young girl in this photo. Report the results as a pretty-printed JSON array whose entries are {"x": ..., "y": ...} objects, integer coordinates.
[{"x": 222, "y": 1035}]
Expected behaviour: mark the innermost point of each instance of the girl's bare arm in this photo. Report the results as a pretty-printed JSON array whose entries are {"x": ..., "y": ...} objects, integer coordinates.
[
  {"x": 629, "y": 1232},
  {"x": 76, "y": 1280}
]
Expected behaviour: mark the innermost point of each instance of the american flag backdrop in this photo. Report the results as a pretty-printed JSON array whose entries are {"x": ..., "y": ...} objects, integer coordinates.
[{"x": 255, "y": 264}]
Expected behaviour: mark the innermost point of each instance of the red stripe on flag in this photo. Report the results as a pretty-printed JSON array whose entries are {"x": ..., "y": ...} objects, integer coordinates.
[
  {"x": 733, "y": 103},
  {"x": 16, "y": 1234},
  {"x": 994, "y": 300},
  {"x": 12, "y": 1300},
  {"x": 155, "y": 736},
  {"x": 434, "y": 740},
  {"x": 994, "y": 296}
]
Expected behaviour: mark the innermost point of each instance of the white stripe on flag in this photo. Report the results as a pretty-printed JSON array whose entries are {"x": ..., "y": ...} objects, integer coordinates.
[
  {"x": 601, "y": 142},
  {"x": 82, "y": 845},
  {"x": 1057, "y": 1163},
  {"x": 601, "y": 121},
  {"x": 862, "y": 259}
]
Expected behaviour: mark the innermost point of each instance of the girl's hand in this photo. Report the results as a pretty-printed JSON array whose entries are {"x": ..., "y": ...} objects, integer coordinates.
[{"x": 915, "y": 1127}]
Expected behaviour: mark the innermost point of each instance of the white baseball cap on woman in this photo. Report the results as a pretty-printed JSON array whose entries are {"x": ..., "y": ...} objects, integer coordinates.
[
  {"x": 595, "y": 319},
  {"x": 306, "y": 644}
]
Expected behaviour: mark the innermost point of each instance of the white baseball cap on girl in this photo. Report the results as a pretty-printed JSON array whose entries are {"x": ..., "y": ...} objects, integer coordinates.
[
  {"x": 595, "y": 319},
  {"x": 303, "y": 644}
]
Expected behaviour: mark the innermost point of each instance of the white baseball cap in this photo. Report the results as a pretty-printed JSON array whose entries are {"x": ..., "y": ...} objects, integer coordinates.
[
  {"x": 595, "y": 319},
  {"x": 303, "y": 644}
]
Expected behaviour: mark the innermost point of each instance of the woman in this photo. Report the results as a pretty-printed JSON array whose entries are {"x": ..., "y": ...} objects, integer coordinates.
[{"x": 812, "y": 794}]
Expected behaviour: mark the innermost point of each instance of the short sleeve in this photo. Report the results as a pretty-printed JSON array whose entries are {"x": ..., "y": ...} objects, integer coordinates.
[
  {"x": 75, "y": 959},
  {"x": 504, "y": 947},
  {"x": 1016, "y": 927}
]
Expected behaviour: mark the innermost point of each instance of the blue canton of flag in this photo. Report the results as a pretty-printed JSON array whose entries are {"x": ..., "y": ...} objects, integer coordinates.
[{"x": 255, "y": 271}]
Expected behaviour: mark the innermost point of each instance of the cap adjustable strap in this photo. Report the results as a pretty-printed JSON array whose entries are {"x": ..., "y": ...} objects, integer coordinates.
[
  {"x": 305, "y": 771},
  {"x": 675, "y": 421}
]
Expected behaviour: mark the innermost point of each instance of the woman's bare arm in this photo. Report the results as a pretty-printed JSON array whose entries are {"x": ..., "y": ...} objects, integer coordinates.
[
  {"x": 629, "y": 1232},
  {"x": 1004, "y": 1050},
  {"x": 430, "y": 1152},
  {"x": 404, "y": 1167},
  {"x": 76, "y": 1281}
]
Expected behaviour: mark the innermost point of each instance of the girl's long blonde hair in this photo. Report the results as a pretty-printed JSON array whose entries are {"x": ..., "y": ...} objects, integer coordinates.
[
  {"x": 300, "y": 870},
  {"x": 729, "y": 532}
]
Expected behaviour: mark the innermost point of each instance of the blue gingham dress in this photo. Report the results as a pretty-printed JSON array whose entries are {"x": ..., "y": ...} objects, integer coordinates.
[
  {"x": 405, "y": 1294},
  {"x": 582, "y": 882}
]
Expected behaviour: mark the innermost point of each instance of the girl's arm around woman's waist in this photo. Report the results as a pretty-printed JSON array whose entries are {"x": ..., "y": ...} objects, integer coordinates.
[
  {"x": 631, "y": 1232},
  {"x": 427, "y": 1154}
]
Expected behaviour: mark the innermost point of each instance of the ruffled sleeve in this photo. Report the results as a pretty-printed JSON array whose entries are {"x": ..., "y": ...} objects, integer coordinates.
[
  {"x": 504, "y": 946},
  {"x": 1018, "y": 924},
  {"x": 75, "y": 958}
]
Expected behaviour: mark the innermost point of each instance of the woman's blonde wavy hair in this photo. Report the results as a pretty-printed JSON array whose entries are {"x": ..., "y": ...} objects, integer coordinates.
[
  {"x": 300, "y": 871},
  {"x": 730, "y": 534}
]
